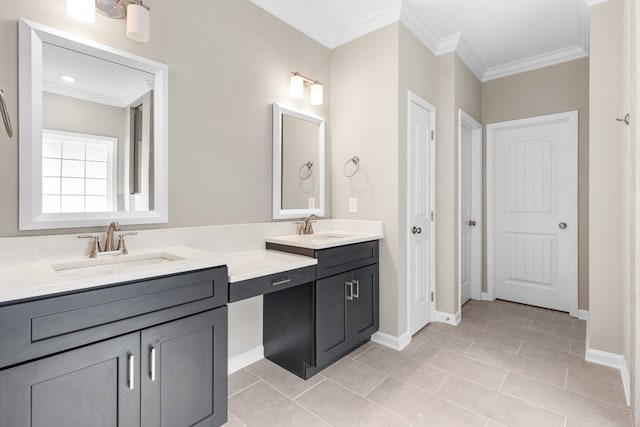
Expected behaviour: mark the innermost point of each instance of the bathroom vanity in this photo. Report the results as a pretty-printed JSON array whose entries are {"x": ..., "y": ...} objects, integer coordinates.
[
  {"x": 315, "y": 314},
  {"x": 144, "y": 352}
]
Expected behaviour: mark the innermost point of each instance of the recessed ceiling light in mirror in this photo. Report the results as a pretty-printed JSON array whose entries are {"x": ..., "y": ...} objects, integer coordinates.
[{"x": 68, "y": 79}]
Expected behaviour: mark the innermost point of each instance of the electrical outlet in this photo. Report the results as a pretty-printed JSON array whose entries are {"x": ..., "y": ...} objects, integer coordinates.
[
  {"x": 353, "y": 204},
  {"x": 312, "y": 203}
]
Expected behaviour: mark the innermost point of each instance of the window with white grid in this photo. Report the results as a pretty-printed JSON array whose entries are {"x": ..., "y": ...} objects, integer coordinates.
[{"x": 77, "y": 172}]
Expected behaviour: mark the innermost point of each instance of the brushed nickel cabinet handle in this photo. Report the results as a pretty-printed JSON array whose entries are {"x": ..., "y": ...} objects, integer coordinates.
[
  {"x": 152, "y": 363},
  {"x": 281, "y": 282},
  {"x": 356, "y": 287},
  {"x": 349, "y": 288},
  {"x": 130, "y": 371}
]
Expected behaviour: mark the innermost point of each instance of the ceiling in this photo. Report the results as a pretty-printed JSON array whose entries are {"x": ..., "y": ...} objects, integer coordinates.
[{"x": 495, "y": 38}]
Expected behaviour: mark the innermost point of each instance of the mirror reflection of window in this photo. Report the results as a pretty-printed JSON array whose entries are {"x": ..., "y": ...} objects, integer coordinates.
[{"x": 77, "y": 172}]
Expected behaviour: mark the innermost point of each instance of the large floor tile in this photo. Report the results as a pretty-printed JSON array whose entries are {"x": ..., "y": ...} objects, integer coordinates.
[
  {"x": 233, "y": 421},
  {"x": 444, "y": 341},
  {"x": 542, "y": 371},
  {"x": 341, "y": 407},
  {"x": 558, "y": 330},
  {"x": 263, "y": 406},
  {"x": 474, "y": 322},
  {"x": 358, "y": 351},
  {"x": 282, "y": 379},
  {"x": 354, "y": 375},
  {"x": 537, "y": 337},
  {"x": 482, "y": 373},
  {"x": 536, "y": 313},
  {"x": 500, "y": 316},
  {"x": 565, "y": 402},
  {"x": 422, "y": 408},
  {"x": 577, "y": 347},
  {"x": 497, "y": 406},
  {"x": 607, "y": 391},
  {"x": 240, "y": 380},
  {"x": 574, "y": 362},
  {"x": 398, "y": 365},
  {"x": 484, "y": 305}
]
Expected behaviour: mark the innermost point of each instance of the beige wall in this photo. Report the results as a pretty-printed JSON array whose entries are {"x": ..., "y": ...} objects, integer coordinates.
[
  {"x": 606, "y": 178},
  {"x": 227, "y": 64},
  {"x": 364, "y": 123},
  {"x": 559, "y": 88}
]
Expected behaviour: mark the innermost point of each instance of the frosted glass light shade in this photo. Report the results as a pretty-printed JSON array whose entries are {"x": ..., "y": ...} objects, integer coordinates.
[
  {"x": 82, "y": 10},
  {"x": 315, "y": 97},
  {"x": 297, "y": 86},
  {"x": 138, "y": 23}
]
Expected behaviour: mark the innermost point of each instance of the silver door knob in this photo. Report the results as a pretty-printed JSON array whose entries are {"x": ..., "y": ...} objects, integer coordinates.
[
  {"x": 562, "y": 225},
  {"x": 472, "y": 223}
]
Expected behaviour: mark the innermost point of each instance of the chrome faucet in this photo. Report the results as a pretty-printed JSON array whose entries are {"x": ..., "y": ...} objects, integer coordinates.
[
  {"x": 307, "y": 225},
  {"x": 110, "y": 242}
]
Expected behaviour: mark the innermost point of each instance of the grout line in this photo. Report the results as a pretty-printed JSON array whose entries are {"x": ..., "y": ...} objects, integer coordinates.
[
  {"x": 236, "y": 417},
  {"x": 374, "y": 403},
  {"x": 310, "y": 388},
  {"x": 566, "y": 420},
  {"x": 366, "y": 350},
  {"x": 440, "y": 386},
  {"x": 519, "y": 347},
  {"x": 244, "y": 388},
  {"x": 504, "y": 380},
  {"x": 376, "y": 386},
  {"x": 566, "y": 378}
]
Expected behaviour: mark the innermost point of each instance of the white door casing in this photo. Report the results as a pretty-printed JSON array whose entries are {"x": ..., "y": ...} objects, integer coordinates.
[
  {"x": 420, "y": 209},
  {"x": 532, "y": 225},
  {"x": 469, "y": 208}
]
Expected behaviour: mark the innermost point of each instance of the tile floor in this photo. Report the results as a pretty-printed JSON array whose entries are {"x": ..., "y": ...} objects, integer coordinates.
[{"x": 504, "y": 364}]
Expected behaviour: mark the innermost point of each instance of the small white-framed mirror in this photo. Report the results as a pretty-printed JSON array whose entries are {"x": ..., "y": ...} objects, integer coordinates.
[
  {"x": 93, "y": 133},
  {"x": 298, "y": 163}
]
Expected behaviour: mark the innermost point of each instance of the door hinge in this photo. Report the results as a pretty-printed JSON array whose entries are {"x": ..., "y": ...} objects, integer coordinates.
[
  {"x": 433, "y": 135},
  {"x": 433, "y": 296},
  {"x": 432, "y": 215}
]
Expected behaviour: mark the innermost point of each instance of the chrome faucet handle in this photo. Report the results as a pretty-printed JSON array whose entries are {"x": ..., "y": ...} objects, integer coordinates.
[
  {"x": 121, "y": 246},
  {"x": 95, "y": 245}
]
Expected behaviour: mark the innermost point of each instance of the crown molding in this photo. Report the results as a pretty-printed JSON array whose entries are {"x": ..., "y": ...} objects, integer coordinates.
[
  {"x": 64, "y": 90},
  {"x": 308, "y": 27},
  {"x": 471, "y": 60},
  {"x": 535, "y": 62},
  {"x": 590, "y": 3},
  {"x": 416, "y": 23},
  {"x": 385, "y": 16}
]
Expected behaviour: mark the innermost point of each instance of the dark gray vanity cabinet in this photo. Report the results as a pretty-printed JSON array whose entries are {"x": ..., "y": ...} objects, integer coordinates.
[
  {"x": 309, "y": 327},
  {"x": 89, "y": 386},
  {"x": 346, "y": 312},
  {"x": 164, "y": 361}
]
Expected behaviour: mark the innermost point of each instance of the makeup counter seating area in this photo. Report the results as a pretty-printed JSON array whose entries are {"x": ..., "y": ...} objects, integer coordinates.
[{"x": 186, "y": 304}]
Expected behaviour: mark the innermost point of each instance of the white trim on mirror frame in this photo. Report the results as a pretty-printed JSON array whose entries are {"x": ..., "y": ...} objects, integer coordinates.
[
  {"x": 31, "y": 38},
  {"x": 278, "y": 212}
]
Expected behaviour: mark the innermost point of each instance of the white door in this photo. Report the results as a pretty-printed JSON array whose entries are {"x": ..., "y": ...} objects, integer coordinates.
[
  {"x": 470, "y": 203},
  {"x": 421, "y": 198},
  {"x": 532, "y": 196}
]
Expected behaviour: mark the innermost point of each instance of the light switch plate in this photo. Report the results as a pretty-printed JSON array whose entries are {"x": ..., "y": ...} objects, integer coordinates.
[{"x": 353, "y": 204}]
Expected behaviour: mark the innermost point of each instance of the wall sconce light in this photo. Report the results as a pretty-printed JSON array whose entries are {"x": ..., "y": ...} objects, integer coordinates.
[
  {"x": 297, "y": 84},
  {"x": 135, "y": 11}
]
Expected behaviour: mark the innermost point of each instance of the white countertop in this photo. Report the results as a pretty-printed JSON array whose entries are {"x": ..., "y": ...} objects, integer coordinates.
[
  {"x": 38, "y": 278},
  {"x": 258, "y": 263},
  {"x": 324, "y": 240}
]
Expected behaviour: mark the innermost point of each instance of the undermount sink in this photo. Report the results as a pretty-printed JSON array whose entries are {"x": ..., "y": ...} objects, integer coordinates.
[
  {"x": 113, "y": 264},
  {"x": 322, "y": 236}
]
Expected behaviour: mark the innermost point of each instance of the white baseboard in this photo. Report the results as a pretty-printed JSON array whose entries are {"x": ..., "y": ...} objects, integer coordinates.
[
  {"x": 612, "y": 360},
  {"x": 396, "y": 343},
  {"x": 484, "y": 296},
  {"x": 450, "y": 319},
  {"x": 583, "y": 314},
  {"x": 245, "y": 359}
]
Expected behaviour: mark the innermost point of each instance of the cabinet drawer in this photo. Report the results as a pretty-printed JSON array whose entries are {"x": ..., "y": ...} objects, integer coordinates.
[
  {"x": 271, "y": 283},
  {"x": 36, "y": 328},
  {"x": 337, "y": 260}
]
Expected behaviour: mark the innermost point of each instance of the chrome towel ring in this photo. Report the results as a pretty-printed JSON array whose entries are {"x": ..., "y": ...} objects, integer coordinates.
[
  {"x": 355, "y": 160},
  {"x": 305, "y": 170},
  {"x": 5, "y": 114}
]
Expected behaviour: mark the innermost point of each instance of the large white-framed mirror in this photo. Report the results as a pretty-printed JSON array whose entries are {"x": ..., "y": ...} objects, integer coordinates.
[
  {"x": 93, "y": 133},
  {"x": 298, "y": 163}
]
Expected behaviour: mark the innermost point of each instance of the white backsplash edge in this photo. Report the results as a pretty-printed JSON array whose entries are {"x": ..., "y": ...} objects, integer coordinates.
[{"x": 223, "y": 239}]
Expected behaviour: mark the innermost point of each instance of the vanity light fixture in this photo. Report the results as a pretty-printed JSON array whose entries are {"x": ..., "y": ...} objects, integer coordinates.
[
  {"x": 137, "y": 14},
  {"x": 297, "y": 84}
]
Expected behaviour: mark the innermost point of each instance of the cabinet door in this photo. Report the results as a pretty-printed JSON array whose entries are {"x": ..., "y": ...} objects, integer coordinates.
[
  {"x": 331, "y": 317},
  {"x": 96, "y": 386},
  {"x": 184, "y": 371},
  {"x": 363, "y": 311}
]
